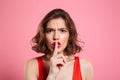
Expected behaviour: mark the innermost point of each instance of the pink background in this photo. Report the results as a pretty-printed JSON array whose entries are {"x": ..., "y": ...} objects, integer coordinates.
[{"x": 98, "y": 25}]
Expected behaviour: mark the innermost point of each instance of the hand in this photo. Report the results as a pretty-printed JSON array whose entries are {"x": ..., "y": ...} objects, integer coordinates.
[{"x": 57, "y": 62}]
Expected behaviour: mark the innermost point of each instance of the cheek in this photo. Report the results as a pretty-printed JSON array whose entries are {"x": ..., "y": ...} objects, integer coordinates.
[
  {"x": 65, "y": 38},
  {"x": 48, "y": 40}
]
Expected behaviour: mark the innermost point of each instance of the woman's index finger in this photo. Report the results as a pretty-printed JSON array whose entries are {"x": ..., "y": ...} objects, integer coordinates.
[{"x": 55, "y": 49}]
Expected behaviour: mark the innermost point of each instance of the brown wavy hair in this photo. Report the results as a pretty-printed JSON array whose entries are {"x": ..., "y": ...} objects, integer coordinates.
[{"x": 39, "y": 41}]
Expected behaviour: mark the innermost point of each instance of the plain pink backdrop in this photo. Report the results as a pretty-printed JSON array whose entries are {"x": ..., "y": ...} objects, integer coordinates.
[{"x": 98, "y": 25}]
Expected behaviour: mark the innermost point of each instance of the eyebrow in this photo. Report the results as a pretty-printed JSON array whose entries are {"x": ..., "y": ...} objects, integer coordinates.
[{"x": 58, "y": 28}]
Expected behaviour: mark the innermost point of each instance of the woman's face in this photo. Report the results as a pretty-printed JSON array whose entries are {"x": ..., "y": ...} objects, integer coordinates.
[{"x": 56, "y": 31}]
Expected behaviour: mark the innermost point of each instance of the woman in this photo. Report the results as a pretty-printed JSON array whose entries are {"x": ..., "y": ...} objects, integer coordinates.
[{"x": 57, "y": 39}]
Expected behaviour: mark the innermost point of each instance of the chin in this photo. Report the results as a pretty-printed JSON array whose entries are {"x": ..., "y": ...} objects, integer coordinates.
[{"x": 60, "y": 50}]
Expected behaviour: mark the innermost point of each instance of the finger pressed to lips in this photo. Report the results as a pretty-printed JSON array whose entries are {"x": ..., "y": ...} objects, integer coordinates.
[{"x": 58, "y": 58}]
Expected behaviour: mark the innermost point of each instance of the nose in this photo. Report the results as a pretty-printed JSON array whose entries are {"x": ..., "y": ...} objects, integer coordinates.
[{"x": 56, "y": 36}]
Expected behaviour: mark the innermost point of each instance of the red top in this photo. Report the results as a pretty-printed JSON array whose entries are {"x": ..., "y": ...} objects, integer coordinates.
[{"x": 43, "y": 74}]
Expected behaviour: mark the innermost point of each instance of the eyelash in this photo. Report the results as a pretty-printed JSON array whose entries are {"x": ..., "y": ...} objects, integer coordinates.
[
  {"x": 48, "y": 31},
  {"x": 63, "y": 30}
]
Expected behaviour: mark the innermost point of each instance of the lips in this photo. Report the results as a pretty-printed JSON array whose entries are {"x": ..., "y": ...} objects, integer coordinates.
[{"x": 53, "y": 44}]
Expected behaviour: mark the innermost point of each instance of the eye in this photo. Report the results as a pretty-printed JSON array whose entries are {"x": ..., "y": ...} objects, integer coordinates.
[
  {"x": 63, "y": 30},
  {"x": 49, "y": 30}
]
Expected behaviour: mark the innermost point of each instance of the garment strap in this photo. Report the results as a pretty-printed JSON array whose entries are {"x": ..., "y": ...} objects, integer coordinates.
[
  {"x": 77, "y": 70},
  {"x": 42, "y": 71}
]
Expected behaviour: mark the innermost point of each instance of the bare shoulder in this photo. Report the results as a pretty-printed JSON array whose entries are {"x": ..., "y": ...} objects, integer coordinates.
[
  {"x": 87, "y": 68},
  {"x": 84, "y": 62},
  {"x": 31, "y": 69},
  {"x": 31, "y": 63}
]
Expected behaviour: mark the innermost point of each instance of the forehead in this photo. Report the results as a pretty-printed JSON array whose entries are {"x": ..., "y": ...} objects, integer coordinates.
[{"x": 56, "y": 23}]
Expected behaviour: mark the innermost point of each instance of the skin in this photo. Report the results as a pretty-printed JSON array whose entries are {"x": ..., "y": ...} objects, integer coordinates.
[{"x": 58, "y": 32}]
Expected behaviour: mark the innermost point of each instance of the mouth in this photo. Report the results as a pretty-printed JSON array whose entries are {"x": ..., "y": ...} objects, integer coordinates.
[{"x": 53, "y": 45}]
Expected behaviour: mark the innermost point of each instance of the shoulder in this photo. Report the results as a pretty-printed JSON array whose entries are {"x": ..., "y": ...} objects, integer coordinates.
[
  {"x": 87, "y": 68},
  {"x": 85, "y": 62},
  {"x": 31, "y": 69},
  {"x": 31, "y": 63}
]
